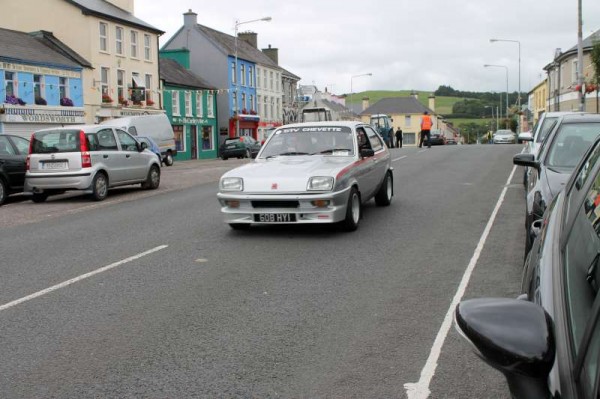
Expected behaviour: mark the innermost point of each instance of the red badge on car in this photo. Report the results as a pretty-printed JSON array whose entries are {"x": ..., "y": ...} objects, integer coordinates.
[{"x": 274, "y": 186}]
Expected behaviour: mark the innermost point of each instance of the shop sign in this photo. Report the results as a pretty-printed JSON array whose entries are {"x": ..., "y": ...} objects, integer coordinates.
[
  {"x": 24, "y": 114},
  {"x": 190, "y": 121},
  {"x": 39, "y": 70}
]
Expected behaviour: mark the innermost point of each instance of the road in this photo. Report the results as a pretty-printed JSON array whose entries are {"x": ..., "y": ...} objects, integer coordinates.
[{"x": 150, "y": 295}]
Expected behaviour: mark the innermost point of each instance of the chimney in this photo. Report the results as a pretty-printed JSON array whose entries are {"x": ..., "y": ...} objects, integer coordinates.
[
  {"x": 126, "y": 5},
  {"x": 272, "y": 53},
  {"x": 365, "y": 103},
  {"x": 432, "y": 102},
  {"x": 190, "y": 19},
  {"x": 249, "y": 37}
]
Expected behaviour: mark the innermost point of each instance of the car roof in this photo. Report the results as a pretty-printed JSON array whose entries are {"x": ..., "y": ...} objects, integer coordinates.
[
  {"x": 350, "y": 124},
  {"x": 580, "y": 117},
  {"x": 85, "y": 128}
]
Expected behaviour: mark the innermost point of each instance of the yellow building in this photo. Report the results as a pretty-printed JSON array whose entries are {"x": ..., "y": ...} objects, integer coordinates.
[
  {"x": 538, "y": 100},
  {"x": 122, "y": 49}
]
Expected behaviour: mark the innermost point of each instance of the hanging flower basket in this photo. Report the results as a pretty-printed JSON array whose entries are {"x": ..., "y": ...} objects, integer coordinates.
[
  {"x": 149, "y": 103},
  {"x": 106, "y": 98},
  {"x": 66, "y": 102},
  {"x": 14, "y": 100},
  {"x": 40, "y": 101}
]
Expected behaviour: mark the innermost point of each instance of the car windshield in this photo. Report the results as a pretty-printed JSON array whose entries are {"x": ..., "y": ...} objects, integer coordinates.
[
  {"x": 54, "y": 141},
  {"x": 310, "y": 140},
  {"x": 570, "y": 143},
  {"x": 504, "y": 132},
  {"x": 546, "y": 127}
]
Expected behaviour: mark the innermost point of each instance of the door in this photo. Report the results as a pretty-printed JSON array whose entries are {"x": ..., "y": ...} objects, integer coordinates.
[
  {"x": 12, "y": 162},
  {"x": 194, "y": 142},
  {"x": 135, "y": 163},
  {"x": 380, "y": 160}
]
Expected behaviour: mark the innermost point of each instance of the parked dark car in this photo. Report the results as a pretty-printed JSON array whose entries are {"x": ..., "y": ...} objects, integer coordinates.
[
  {"x": 13, "y": 156},
  {"x": 437, "y": 137},
  {"x": 239, "y": 147},
  {"x": 548, "y": 346},
  {"x": 560, "y": 152}
]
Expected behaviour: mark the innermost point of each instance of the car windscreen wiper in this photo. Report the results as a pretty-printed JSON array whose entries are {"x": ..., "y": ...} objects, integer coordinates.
[
  {"x": 332, "y": 150},
  {"x": 293, "y": 153}
]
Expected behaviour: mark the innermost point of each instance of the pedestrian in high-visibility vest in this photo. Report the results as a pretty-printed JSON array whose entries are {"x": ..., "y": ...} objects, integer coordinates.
[{"x": 426, "y": 124}]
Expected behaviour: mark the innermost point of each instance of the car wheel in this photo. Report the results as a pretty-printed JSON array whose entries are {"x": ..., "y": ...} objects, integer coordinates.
[
  {"x": 169, "y": 159},
  {"x": 38, "y": 198},
  {"x": 384, "y": 195},
  {"x": 353, "y": 211},
  {"x": 3, "y": 191},
  {"x": 239, "y": 226},
  {"x": 99, "y": 187},
  {"x": 153, "y": 180}
]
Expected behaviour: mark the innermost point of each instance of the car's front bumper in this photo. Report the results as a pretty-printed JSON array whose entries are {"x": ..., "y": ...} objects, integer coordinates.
[
  {"x": 504, "y": 141},
  {"x": 300, "y": 205}
]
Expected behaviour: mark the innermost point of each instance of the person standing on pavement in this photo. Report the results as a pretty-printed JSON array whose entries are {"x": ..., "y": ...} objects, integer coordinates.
[
  {"x": 426, "y": 125},
  {"x": 399, "y": 137}
]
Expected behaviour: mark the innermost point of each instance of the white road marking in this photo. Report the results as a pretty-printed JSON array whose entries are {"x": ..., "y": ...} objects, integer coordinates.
[
  {"x": 421, "y": 151},
  {"x": 420, "y": 390},
  {"x": 397, "y": 159},
  {"x": 79, "y": 278}
]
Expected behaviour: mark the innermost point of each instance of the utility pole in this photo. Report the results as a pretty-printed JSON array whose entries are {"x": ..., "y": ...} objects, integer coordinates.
[{"x": 580, "y": 81}]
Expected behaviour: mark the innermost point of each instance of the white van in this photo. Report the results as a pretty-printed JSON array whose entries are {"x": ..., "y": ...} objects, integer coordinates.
[{"x": 156, "y": 127}]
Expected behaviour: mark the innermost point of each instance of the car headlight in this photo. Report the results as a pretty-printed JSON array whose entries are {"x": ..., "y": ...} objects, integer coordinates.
[
  {"x": 232, "y": 184},
  {"x": 320, "y": 183}
]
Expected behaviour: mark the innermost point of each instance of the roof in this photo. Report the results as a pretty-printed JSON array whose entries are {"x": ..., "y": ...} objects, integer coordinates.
[
  {"x": 288, "y": 74},
  {"x": 586, "y": 44},
  {"x": 244, "y": 50},
  {"x": 174, "y": 73},
  {"x": 397, "y": 105},
  {"x": 104, "y": 9},
  {"x": 39, "y": 49}
]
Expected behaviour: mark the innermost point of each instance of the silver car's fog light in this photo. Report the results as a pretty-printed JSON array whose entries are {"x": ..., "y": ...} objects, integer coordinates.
[
  {"x": 320, "y": 203},
  {"x": 232, "y": 203},
  {"x": 320, "y": 183},
  {"x": 232, "y": 184}
]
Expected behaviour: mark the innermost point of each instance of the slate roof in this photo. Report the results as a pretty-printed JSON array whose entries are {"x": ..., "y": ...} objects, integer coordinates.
[
  {"x": 245, "y": 50},
  {"x": 397, "y": 105},
  {"x": 173, "y": 73},
  {"x": 288, "y": 74},
  {"x": 104, "y": 9},
  {"x": 39, "y": 49}
]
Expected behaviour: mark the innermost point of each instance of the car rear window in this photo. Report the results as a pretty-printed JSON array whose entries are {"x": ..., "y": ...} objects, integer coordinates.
[
  {"x": 55, "y": 141},
  {"x": 232, "y": 141}
]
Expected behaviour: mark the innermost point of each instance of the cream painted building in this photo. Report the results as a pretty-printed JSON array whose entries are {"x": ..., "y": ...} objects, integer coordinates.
[
  {"x": 122, "y": 49},
  {"x": 538, "y": 100}
]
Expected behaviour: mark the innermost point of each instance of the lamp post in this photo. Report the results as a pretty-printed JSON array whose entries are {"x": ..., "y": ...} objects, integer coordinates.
[
  {"x": 519, "y": 95},
  {"x": 351, "y": 78},
  {"x": 506, "y": 68},
  {"x": 235, "y": 105}
]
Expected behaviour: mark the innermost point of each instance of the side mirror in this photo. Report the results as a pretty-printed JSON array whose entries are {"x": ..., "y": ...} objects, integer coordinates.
[
  {"x": 513, "y": 336},
  {"x": 536, "y": 227},
  {"x": 525, "y": 136},
  {"x": 143, "y": 146},
  {"x": 526, "y": 160},
  {"x": 366, "y": 153}
]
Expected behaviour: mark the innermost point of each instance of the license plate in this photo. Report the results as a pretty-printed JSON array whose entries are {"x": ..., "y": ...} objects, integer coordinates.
[
  {"x": 54, "y": 165},
  {"x": 275, "y": 217},
  {"x": 231, "y": 146}
]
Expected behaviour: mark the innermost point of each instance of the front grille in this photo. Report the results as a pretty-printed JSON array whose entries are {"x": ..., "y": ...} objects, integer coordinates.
[{"x": 275, "y": 204}]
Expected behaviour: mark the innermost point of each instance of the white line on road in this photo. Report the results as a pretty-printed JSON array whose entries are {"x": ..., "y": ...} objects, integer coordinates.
[
  {"x": 421, "y": 151},
  {"x": 420, "y": 390},
  {"x": 79, "y": 278},
  {"x": 397, "y": 159}
]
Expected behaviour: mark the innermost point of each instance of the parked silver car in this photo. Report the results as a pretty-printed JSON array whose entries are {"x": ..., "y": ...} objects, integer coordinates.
[
  {"x": 313, "y": 172},
  {"x": 504, "y": 136},
  {"x": 88, "y": 158}
]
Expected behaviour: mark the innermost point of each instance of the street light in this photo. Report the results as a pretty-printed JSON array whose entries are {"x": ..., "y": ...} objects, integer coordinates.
[
  {"x": 519, "y": 96},
  {"x": 352, "y": 77},
  {"x": 505, "y": 67},
  {"x": 238, "y": 23}
]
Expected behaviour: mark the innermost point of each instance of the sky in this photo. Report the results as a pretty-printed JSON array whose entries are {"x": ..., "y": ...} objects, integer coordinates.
[{"x": 405, "y": 45}]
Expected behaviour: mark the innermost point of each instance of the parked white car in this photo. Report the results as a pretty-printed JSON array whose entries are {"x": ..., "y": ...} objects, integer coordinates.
[
  {"x": 504, "y": 136},
  {"x": 313, "y": 172}
]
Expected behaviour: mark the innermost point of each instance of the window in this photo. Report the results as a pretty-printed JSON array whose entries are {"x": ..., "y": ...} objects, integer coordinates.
[
  {"x": 179, "y": 137},
  {"x": 63, "y": 87},
  {"x": 376, "y": 143},
  {"x": 244, "y": 101},
  {"x": 233, "y": 73},
  {"x": 149, "y": 89},
  {"x": 574, "y": 71},
  {"x": 134, "y": 44},
  {"x": 266, "y": 107},
  {"x": 106, "y": 140},
  {"x": 127, "y": 142},
  {"x": 277, "y": 81},
  {"x": 407, "y": 120},
  {"x": 234, "y": 101},
  {"x": 37, "y": 86},
  {"x": 104, "y": 74},
  {"x": 175, "y": 102},
  {"x": 207, "y": 138},
  {"x": 9, "y": 83},
  {"x": 250, "y": 76},
  {"x": 277, "y": 109},
  {"x": 199, "y": 110},
  {"x": 259, "y": 105},
  {"x": 103, "y": 36},
  {"x": 121, "y": 86},
  {"x": 210, "y": 105},
  {"x": 258, "y": 77},
  {"x": 243, "y": 75},
  {"x": 271, "y": 80},
  {"x": 265, "y": 78},
  {"x": 272, "y": 109},
  {"x": 119, "y": 40},
  {"x": 147, "y": 47},
  {"x": 251, "y": 105},
  {"x": 188, "y": 103}
]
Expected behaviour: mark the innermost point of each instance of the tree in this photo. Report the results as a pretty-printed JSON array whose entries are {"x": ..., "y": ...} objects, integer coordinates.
[{"x": 596, "y": 61}]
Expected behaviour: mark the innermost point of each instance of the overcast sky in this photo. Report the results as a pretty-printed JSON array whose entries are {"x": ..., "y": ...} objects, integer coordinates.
[{"x": 406, "y": 45}]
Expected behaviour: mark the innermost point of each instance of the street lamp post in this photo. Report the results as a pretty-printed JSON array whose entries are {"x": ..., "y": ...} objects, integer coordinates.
[
  {"x": 236, "y": 104},
  {"x": 351, "y": 78},
  {"x": 519, "y": 95},
  {"x": 506, "y": 68}
]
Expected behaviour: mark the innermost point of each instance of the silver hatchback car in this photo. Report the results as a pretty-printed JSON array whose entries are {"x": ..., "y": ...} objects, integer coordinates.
[{"x": 90, "y": 158}]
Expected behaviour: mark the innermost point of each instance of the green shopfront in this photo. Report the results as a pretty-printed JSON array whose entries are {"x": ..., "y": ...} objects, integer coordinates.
[{"x": 196, "y": 138}]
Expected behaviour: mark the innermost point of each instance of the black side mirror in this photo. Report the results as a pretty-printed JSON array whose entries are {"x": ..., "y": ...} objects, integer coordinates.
[
  {"x": 526, "y": 160},
  {"x": 142, "y": 146},
  {"x": 513, "y": 336},
  {"x": 536, "y": 227},
  {"x": 367, "y": 152}
]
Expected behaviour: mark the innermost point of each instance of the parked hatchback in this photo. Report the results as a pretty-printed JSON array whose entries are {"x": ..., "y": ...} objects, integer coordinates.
[
  {"x": 13, "y": 153},
  {"x": 240, "y": 147},
  {"x": 88, "y": 158}
]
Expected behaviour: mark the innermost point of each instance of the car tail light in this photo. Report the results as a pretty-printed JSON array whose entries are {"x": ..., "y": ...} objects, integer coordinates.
[
  {"x": 31, "y": 143},
  {"x": 28, "y": 161},
  {"x": 86, "y": 159}
]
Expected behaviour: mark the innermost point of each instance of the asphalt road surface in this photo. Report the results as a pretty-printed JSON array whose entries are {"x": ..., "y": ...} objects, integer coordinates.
[{"x": 150, "y": 295}]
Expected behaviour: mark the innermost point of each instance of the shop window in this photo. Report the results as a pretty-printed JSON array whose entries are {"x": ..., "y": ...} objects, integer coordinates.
[
  {"x": 207, "y": 138},
  {"x": 179, "y": 137}
]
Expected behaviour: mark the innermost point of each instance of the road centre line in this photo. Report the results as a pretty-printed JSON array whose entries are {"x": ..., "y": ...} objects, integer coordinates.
[
  {"x": 420, "y": 390},
  {"x": 79, "y": 278},
  {"x": 397, "y": 159}
]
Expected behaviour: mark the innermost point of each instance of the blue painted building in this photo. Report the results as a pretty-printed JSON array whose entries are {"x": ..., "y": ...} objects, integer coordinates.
[{"x": 40, "y": 83}]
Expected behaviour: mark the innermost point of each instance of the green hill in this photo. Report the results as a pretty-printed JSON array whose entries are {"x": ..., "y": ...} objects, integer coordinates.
[{"x": 443, "y": 105}]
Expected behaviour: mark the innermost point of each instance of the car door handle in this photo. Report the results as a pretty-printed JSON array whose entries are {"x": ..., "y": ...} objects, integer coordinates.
[
  {"x": 105, "y": 156},
  {"x": 127, "y": 155}
]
